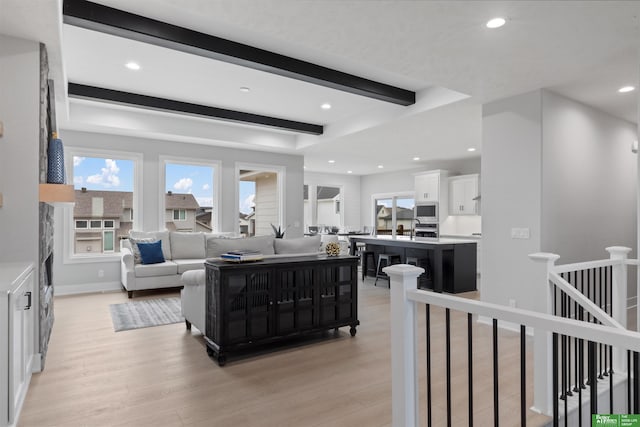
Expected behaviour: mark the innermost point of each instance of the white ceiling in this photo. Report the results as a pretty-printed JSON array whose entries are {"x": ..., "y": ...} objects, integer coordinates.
[{"x": 440, "y": 49}]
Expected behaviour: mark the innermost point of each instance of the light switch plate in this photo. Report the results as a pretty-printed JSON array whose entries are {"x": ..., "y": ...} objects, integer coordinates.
[{"x": 520, "y": 233}]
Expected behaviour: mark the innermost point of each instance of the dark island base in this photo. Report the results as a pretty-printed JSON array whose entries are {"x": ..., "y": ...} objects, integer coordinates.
[{"x": 448, "y": 267}]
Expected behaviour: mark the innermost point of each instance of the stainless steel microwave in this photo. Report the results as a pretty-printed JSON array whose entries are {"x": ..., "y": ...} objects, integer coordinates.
[{"x": 426, "y": 212}]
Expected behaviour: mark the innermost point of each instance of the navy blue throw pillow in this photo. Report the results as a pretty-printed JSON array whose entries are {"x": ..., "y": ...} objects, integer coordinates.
[{"x": 151, "y": 253}]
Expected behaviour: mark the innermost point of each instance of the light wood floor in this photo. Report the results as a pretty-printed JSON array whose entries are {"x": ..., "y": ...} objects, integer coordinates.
[{"x": 162, "y": 376}]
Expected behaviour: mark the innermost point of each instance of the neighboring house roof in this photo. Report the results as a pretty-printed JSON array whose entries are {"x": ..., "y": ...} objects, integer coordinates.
[
  {"x": 113, "y": 203},
  {"x": 401, "y": 213},
  {"x": 180, "y": 201},
  {"x": 327, "y": 192}
]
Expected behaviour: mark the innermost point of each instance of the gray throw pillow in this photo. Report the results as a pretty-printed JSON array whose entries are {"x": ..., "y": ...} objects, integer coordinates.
[
  {"x": 300, "y": 245},
  {"x": 134, "y": 247},
  {"x": 186, "y": 245}
]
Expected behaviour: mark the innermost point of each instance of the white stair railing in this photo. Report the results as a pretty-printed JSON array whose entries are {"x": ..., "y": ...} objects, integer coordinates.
[{"x": 405, "y": 296}]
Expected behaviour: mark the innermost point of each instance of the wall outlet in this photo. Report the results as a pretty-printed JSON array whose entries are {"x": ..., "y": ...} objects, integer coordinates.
[
  {"x": 520, "y": 233},
  {"x": 100, "y": 273}
]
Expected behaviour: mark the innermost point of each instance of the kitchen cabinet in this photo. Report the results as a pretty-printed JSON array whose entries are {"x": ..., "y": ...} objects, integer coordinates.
[
  {"x": 17, "y": 284},
  {"x": 463, "y": 189},
  {"x": 431, "y": 186}
]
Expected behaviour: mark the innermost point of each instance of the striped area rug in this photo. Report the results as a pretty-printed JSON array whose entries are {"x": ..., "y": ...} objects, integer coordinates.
[{"x": 145, "y": 313}]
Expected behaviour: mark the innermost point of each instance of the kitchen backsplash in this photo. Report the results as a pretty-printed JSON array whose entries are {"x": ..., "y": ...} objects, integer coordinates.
[{"x": 461, "y": 225}]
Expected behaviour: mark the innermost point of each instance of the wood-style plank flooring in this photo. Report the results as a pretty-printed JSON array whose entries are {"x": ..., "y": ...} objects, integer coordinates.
[{"x": 162, "y": 376}]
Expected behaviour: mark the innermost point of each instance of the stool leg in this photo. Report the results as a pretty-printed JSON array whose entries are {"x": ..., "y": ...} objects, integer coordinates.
[
  {"x": 363, "y": 264},
  {"x": 377, "y": 271}
]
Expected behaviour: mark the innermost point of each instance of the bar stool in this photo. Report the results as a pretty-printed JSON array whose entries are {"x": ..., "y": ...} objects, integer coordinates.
[
  {"x": 389, "y": 259},
  {"x": 419, "y": 262},
  {"x": 365, "y": 257}
]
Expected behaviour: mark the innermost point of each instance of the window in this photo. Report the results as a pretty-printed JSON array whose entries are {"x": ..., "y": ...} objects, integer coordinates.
[
  {"x": 260, "y": 199},
  {"x": 393, "y": 214},
  {"x": 179, "y": 215},
  {"x": 105, "y": 198},
  {"x": 190, "y": 193}
]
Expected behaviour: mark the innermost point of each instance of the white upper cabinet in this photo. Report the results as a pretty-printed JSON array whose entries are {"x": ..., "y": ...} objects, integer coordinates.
[
  {"x": 463, "y": 189},
  {"x": 431, "y": 186}
]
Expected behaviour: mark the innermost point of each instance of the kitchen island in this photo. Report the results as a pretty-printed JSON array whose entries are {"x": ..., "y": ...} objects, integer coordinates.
[{"x": 450, "y": 264}]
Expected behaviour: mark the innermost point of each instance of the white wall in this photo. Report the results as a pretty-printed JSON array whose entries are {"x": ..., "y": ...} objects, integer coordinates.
[
  {"x": 402, "y": 181},
  {"x": 564, "y": 171},
  {"x": 19, "y": 149},
  {"x": 350, "y": 186},
  {"x": 511, "y": 197},
  {"x": 589, "y": 180},
  {"x": 76, "y": 277}
]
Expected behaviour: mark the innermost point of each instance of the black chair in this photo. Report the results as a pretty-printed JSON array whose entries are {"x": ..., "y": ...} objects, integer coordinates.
[
  {"x": 367, "y": 262},
  {"x": 388, "y": 259}
]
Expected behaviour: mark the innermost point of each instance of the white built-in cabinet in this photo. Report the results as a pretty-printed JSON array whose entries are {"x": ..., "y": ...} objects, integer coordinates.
[
  {"x": 17, "y": 325},
  {"x": 432, "y": 186},
  {"x": 463, "y": 191}
]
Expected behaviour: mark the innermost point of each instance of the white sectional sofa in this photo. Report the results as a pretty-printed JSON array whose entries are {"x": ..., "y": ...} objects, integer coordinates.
[{"x": 188, "y": 251}]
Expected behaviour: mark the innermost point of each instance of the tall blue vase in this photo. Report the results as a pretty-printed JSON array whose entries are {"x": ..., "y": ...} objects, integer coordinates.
[{"x": 55, "y": 167}]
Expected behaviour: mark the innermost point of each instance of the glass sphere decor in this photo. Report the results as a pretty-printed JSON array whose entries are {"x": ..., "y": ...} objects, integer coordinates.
[
  {"x": 332, "y": 249},
  {"x": 55, "y": 160}
]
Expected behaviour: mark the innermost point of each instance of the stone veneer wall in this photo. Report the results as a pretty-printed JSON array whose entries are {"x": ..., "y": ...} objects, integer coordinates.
[{"x": 45, "y": 283}]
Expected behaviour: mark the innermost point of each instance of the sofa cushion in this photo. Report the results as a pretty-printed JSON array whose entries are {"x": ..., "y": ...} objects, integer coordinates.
[
  {"x": 299, "y": 245},
  {"x": 151, "y": 253},
  {"x": 134, "y": 247},
  {"x": 151, "y": 270},
  {"x": 163, "y": 236},
  {"x": 186, "y": 245},
  {"x": 217, "y": 246},
  {"x": 189, "y": 264}
]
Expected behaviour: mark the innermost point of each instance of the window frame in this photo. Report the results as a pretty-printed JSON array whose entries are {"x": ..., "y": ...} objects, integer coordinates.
[
  {"x": 113, "y": 241},
  {"x": 91, "y": 227},
  {"x": 215, "y": 185},
  {"x": 69, "y": 257},
  {"x": 394, "y": 197},
  {"x": 181, "y": 213},
  {"x": 281, "y": 171},
  {"x": 86, "y": 227},
  {"x": 113, "y": 224}
]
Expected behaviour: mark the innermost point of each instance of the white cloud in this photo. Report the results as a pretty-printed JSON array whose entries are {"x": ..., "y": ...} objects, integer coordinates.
[
  {"x": 78, "y": 180},
  {"x": 77, "y": 160},
  {"x": 205, "y": 187},
  {"x": 205, "y": 201},
  {"x": 247, "y": 204},
  {"x": 108, "y": 176},
  {"x": 183, "y": 184}
]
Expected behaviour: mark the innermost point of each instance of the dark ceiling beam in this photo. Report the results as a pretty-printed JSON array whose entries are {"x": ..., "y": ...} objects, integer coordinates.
[
  {"x": 105, "y": 19},
  {"x": 127, "y": 98}
]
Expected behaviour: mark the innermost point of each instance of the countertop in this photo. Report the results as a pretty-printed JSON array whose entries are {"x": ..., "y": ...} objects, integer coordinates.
[
  {"x": 12, "y": 274},
  {"x": 440, "y": 241}
]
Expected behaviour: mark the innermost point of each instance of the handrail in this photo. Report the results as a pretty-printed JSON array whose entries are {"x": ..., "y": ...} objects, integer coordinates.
[
  {"x": 589, "y": 331},
  {"x": 564, "y": 268},
  {"x": 585, "y": 302}
]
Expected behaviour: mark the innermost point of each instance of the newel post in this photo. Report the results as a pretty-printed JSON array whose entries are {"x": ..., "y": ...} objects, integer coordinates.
[
  {"x": 404, "y": 381},
  {"x": 542, "y": 347},
  {"x": 619, "y": 298}
]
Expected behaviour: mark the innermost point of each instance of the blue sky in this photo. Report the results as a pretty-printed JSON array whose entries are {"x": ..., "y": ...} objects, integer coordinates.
[
  {"x": 102, "y": 174},
  {"x": 403, "y": 203},
  {"x": 96, "y": 173}
]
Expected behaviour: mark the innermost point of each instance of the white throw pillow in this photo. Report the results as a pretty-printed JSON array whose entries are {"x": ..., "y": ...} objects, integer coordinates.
[
  {"x": 163, "y": 236},
  {"x": 299, "y": 245},
  {"x": 187, "y": 245}
]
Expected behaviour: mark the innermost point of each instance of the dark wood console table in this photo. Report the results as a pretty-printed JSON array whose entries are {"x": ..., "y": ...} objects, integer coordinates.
[{"x": 255, "y": 303}]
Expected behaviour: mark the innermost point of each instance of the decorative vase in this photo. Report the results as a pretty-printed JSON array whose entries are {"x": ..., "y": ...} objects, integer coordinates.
[
  {"x": 332, "y": 249},
  {"x": 55, "y": 163}
]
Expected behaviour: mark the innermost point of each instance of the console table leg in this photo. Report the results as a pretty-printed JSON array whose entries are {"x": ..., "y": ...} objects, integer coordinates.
[{"x": 352, "y": 331}]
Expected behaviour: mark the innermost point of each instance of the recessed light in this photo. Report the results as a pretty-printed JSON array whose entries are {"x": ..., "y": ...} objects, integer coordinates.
[
  {"x": 416, "y": 158},
  {"x": 496, "y": 23},
  {"x": 332, "y": 161},
  {"x": 245, "y": 89},
  {"x": 380, "y": 166},
  {"x": 349, "y": 171},
  {"x": 326, "y": 106},
  {"x": 626, "y": 89},
  {"x": 132, "y": 66},
  {"x": 304, "y": 167},
  {"x": 471, "y": 149}
]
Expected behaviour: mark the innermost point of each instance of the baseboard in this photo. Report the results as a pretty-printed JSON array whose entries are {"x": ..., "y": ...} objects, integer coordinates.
[{"x": 87, "y": 288}]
